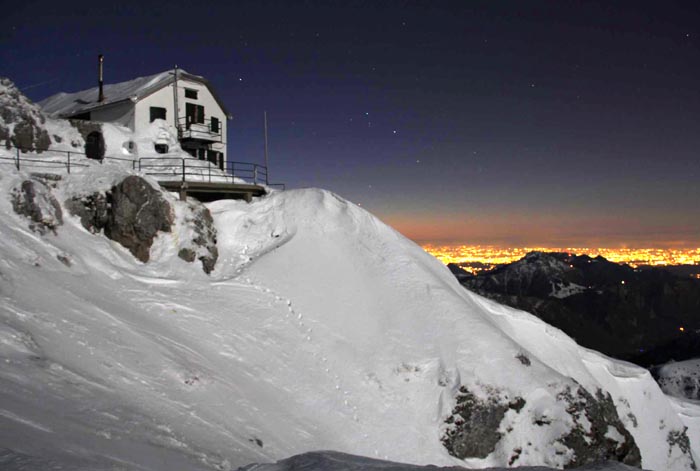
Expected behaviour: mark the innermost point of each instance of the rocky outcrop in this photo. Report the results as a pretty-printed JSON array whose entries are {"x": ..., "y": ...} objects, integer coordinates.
[
  {"x": 202, "y": 245},
  {"x": 598, "y": 434},
  {"x": 679, "y": 439},
  {"x": 474, "y": 424},
  {"x": 21, "y": 121},
  {"x": 138, "y": 212},
  {"x": 595, "y": 433},
  {"x": 93, "y": 211},
  {"x": 679, "y": 379},
  {"x": 33, "y": 199},
  {"x": 131, "y": 213}
]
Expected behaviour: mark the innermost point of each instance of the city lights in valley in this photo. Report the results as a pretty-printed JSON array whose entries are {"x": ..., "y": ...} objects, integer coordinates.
[{"x": 477, "y": 258}]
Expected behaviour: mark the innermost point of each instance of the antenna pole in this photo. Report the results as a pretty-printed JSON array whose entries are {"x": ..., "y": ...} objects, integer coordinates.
[
  {"x": 267, "y": 166},
  {"x": 100, "y": 61},
  {"x": 175, "y": 97}
]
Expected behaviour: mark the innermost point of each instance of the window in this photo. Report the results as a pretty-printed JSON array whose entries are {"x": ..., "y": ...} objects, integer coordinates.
[
  {"x": 190, "y": 93},
  {"x": 215, "y": 157},
  {"x": 215, "y": 125},
  {"x": 157, "y": 113},
  {"x": 194, "y": 113},
  {"x": 161, "y": 148}
]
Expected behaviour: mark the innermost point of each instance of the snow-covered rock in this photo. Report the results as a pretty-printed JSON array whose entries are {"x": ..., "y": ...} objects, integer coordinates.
[
  {"x": 319, "y": 328},
  {"x": 34, "y": 200},
  {"x": 21, "y": 121},
  {"x": 680, "y": 378},
  {"x": 131, "y": 213}
]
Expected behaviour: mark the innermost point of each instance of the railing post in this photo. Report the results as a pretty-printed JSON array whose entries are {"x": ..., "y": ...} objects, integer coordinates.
[
  {"x": 68, "y": 165},
  {"x": 209, "y": 172},
  {"x": 18, "y": 158},
  {"x": 183, "y": 170}
]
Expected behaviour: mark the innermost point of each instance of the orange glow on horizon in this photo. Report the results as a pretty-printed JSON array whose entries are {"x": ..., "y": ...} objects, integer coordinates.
[{"x": 491, "y": 256}]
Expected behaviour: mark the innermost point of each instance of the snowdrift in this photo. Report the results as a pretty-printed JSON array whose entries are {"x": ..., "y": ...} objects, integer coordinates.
[{"x": 319, "y": 328}]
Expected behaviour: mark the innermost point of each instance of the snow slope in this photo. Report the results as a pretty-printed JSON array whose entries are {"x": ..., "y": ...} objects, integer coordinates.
[
  {"x": 334, "y": 461},
  {"x": 321, "y": 328}
]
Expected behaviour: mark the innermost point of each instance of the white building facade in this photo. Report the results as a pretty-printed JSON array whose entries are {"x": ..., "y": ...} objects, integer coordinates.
[{"x": 186, "y": 101}]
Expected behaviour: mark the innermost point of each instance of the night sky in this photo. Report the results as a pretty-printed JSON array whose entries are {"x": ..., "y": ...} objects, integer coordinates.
[{"x": 507, "y": 123}]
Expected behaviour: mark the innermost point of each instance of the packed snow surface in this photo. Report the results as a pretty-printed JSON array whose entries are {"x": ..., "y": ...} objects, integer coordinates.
[{"x": 320, "y": 328}]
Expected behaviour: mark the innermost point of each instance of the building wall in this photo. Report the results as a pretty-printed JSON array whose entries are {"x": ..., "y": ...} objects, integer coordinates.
[
  {"x": 122, "y": 114},
  {"x": 163, "y": 98}
]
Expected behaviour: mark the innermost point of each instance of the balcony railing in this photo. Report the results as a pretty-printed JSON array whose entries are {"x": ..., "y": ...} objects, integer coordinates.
[{"x": 206, "y": 131}]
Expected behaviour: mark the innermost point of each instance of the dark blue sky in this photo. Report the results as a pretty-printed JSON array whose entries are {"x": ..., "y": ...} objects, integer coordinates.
[{"x": 481, "y": 122}]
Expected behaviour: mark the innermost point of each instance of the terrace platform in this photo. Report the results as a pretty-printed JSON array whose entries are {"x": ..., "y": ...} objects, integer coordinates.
[{"x": 212, "y": 191}]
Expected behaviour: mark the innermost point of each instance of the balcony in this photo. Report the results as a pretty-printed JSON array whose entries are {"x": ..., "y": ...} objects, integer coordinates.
[{"x": 208, "y": 130}]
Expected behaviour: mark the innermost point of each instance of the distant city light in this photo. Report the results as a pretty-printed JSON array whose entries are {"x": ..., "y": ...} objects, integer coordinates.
[{"x": 478, "y": 258}]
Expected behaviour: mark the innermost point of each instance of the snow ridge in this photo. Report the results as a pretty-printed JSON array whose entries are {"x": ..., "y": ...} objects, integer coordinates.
[{"x": 319, "y": 328}]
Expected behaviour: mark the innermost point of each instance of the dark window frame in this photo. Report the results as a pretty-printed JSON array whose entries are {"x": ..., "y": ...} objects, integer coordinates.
[
  {"x": 194, "y": 113},
  {"x": 191, "y": 93},
  {"x": 156, "y": 111},
  {"x": 215, "y": 125}
]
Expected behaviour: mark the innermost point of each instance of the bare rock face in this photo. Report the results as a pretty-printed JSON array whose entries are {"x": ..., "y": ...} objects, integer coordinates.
[
  {"x": 131, "y": 213},
  {"x": 93, "y": 211},
  {"x": 475, "y": 423},
  {"x": 596, "y": 433},
  {"x": 21, "y": 121},
  {"x": 34, "y": 200},
  {"x": 202, "y": 246},
  {"x": 679, "y": 378},
  {"x": 138, "y": 212}
]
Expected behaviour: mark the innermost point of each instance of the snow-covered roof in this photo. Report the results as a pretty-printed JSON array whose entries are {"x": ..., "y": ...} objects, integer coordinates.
[{"x": 65, "y": 105}]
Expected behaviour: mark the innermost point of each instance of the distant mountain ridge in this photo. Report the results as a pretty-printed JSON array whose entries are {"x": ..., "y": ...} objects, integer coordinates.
[{"x": 634, "y": 314}]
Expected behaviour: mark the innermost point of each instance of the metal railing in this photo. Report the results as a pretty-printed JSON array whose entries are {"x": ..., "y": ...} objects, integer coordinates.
[
  {"x": 164, "y": 167},
  {"x": 189, "y": 169},
  {"x": 49, "y": 159}
]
